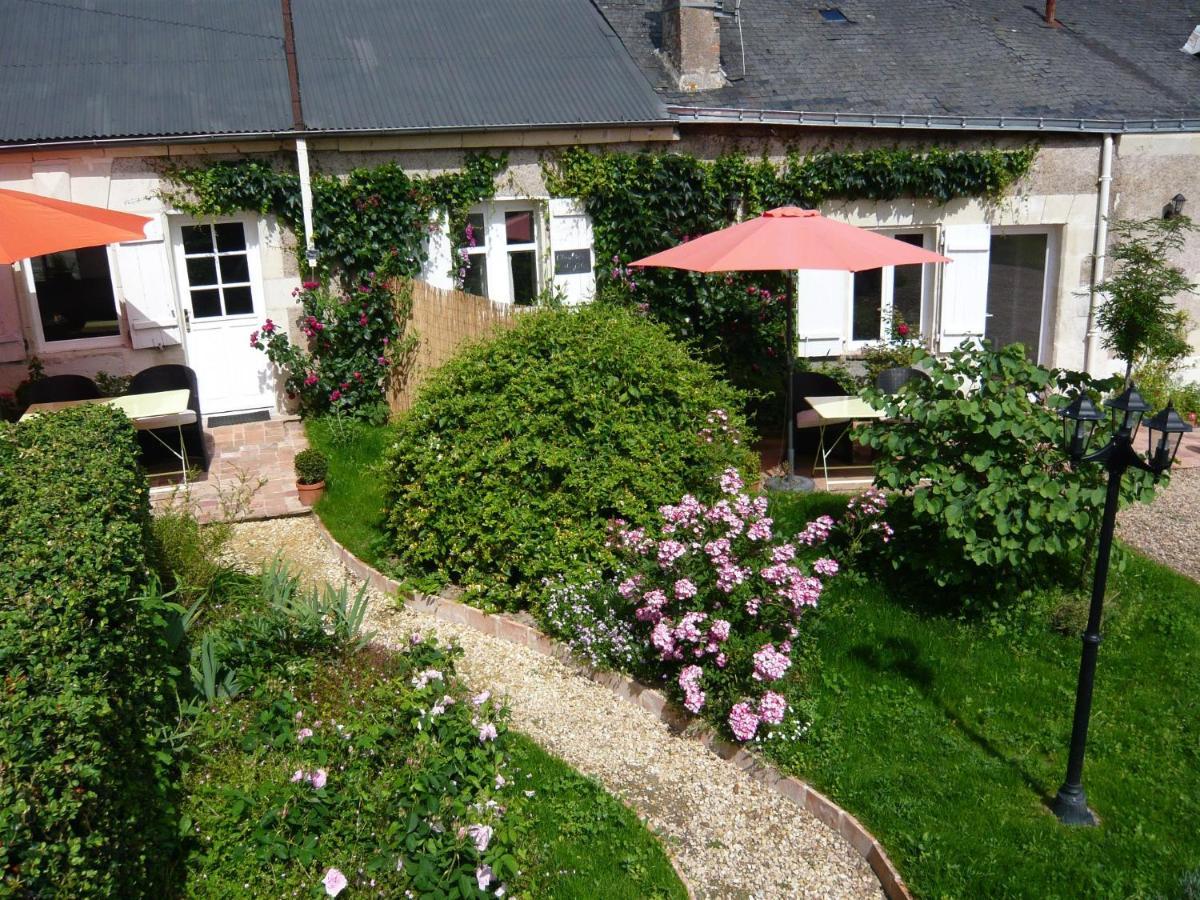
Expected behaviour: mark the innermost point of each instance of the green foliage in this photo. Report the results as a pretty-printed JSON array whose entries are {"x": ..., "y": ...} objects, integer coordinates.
[
  {"x": 641, "y": 203},
  {"x": 371, "y": 219},
  {"x": 357, "y": 343},
  {"x": 311, "y": 466},
  {"x": 1158, "y": 386},
  {"x": 1138, "y": 316},
  {"x": 985, "y": 725},
  {"x": 86, "y": 785},
  {"x": 112, "y": 385},
  {"x": 520, "y": 449},
  {"x": 989, "y": 495}
]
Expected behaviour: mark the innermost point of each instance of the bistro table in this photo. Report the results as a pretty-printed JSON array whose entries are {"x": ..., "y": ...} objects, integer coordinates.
[
  {"x": 147, "y": 412},
  {"x": 835, "y": 411}
]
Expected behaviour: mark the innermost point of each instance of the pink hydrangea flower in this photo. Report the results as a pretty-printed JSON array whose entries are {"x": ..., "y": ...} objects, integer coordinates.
[
  {"x": 772, "y": 708},
  {"x": 731, "y": 481},
  {"x": 760, "y": 530},
  {"x": 720, "y": 630},
  {"x": 318, "y": 778},
  {"x": 334, "y": 881},
  {"x": 689, "y": 680},
  {"x": 685, "y": 589},
  {"x": 487, "y": 732},
  {"x": 770, "y": 664},
  {"x": 783, "y": 553},
  {"x": 669, "y": 552},
  {"x": 628, "y": 588},
  {"x": 826, "y": 566},
  {"x": 304, "y": 734},
  {"x": 743, "y": 721}
]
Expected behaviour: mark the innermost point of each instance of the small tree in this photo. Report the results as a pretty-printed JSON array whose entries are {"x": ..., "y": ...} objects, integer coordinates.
[{"x": 1139, "y": 319}]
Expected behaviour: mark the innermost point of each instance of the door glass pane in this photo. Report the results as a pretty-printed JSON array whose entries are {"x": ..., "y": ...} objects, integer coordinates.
[
  {"x": 238, "y": 301},
  {"x": 206, "y": 304},
  {"x": 234, "y": 269},
  {"x": 1016, "y": 290},
  {"x": 231, "y": 236},
  {"x": 478, "y": 233},
  {"x": 475, "y": 281},
  {"x": 197, "y": 239},
  {"x": 906, "y": 288},
  {"x": 523, "y": 265},
  {"x": 518, "y": 227},
  {"x": 201, "y": 270},
  {"x": 75, "y": 295},
  {"x": 868, "y": 301}
]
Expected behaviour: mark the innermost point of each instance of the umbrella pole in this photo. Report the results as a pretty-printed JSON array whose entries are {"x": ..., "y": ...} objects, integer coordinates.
[{"x": 790, "y": 425}]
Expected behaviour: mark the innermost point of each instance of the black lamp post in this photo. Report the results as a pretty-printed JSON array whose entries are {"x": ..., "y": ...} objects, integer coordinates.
[{"x": 1118, "y": 455}]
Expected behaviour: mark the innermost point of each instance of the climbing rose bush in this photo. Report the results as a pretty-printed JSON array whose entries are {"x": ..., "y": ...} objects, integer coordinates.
[
  {"x": 353, "y": 342},
  {"x": 718, "y": 596}
]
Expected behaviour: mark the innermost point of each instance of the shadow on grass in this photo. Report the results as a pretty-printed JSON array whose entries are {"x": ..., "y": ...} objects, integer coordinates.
[{"x": 900, "y": 657}]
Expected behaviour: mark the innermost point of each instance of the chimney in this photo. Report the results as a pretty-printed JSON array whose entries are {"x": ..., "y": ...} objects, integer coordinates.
[{"x": 691, "y": 43}]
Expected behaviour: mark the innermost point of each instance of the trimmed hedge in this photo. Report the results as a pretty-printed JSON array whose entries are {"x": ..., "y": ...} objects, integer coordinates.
[
  {"x": 86, "y": 803},
  {"x": 520, "y": 450}
]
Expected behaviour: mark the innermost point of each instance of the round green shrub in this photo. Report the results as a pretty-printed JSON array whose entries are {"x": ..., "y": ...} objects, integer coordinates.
[
  {"x": 311, "y": 466},
  {"x": 520, "y": 450}
]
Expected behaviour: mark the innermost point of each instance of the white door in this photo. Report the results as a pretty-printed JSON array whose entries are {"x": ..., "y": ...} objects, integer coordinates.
[{"x": 220, "y": 289}]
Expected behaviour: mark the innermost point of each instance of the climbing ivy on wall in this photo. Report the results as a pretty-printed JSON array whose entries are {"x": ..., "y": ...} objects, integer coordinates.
[
  {"x": 371, "y": 220},
  {"x": 641, "y": 203}
]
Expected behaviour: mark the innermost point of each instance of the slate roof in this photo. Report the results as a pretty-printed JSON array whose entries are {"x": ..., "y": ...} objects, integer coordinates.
[
  {"x": 81, "y": 69},
  {"x": 455, "y": 64},
  {"x": 131, "y": 68},
  {"x": 1113, "y": 60}
]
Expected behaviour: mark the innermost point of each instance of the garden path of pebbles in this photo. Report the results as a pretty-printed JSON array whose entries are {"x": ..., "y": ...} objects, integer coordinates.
[
  {"x": 1168, "y": 530},
  {"x": 730, "y": 836}
]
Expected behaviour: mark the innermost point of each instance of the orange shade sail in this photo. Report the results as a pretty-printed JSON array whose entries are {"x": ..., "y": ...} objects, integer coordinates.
[
  {"x": 787, "y": 239},
  {"x": 31, "y": 225}
]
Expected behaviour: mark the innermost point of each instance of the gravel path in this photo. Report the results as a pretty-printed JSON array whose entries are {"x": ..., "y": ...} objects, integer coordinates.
[
  {"x": 1168, "y": 529},
  {"x": 730, "y": 835}
]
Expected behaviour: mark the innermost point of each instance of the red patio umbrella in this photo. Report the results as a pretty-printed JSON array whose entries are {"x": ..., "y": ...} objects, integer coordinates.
[
  {"x": 31, "y": 225},
  {"x": 788, "y": 239}
]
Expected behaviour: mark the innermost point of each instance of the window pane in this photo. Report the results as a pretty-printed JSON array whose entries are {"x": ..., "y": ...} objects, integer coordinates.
[
  {"x": 75, "y": 295},
  {"x": 231, "y": 236},
  {"x": 201, "y": 270},
  {"x": 478, "y": 232},
  {"x": 523, "y": 266},
  {"x": 197, "y": 239},
  {"x": 206, "y": 304},
  {"x": 1016, "y": 289},
  {"x": 238, "y": 301},
  {"x": 518, "y": 227},
  {"x": 234, "y": 269},
  {"x": 475, "y": 281},
  {"x": 868, "y": 296}
]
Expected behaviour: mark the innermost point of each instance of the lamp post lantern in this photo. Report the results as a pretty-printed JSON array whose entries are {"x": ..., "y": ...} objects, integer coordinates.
[{"x": 1166, "y": 430}]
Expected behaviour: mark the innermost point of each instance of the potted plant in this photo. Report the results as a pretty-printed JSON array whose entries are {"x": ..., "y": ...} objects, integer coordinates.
[{"x": 311, "y": 468}]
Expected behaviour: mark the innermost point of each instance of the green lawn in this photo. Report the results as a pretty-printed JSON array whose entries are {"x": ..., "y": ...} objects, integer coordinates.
[
  {"x": 947, "y": 741},
  {"x": 352, "y": 508}
]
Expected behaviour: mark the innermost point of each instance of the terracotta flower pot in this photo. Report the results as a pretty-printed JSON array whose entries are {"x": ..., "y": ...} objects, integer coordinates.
[{"x": 310, "y": 493}]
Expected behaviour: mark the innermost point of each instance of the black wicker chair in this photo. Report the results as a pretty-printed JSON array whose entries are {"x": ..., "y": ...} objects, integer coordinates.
[
  {"x": 807, "y": 422},
  {"x": 172, "y": 378},
  {"x": 59, "y": 388},
  {"x": 891, "y": 380}
]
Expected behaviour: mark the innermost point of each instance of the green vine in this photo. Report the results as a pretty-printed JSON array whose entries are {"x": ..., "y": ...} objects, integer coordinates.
[
  {"x": 371, "y": 220},
  {"x": 641, "y": 203}
]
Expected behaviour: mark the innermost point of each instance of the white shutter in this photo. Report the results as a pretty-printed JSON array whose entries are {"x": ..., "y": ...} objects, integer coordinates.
[
  {"x": 964, "y": 285},
  {"x": 572, "y": 257},
  {"x": 438, "y": 251},
  {"x": 822, "y": 312},
  {"x": 147, "y": 290},
  {"x": 12, "y": 345}
]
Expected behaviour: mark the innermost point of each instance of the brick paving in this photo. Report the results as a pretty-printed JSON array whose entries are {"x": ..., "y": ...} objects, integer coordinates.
[{"x": 250, "y": 475}]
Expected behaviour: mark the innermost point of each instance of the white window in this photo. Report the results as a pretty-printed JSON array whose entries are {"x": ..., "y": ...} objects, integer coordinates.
[
  {"x": 880, "y": 297},
  {"x": 218, "y": 270},
  {"x": 72, "y": 298},
  {"x": 503, "y": 247}
]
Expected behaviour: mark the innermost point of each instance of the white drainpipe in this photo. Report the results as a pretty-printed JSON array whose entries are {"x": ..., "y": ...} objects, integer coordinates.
[
  {"x": 1091, "y": 347},
  {"x": 306, "y": 202}
]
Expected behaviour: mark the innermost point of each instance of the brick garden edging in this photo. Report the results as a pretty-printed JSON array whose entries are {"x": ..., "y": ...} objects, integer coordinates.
[{"x": 506, "y": 628}]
